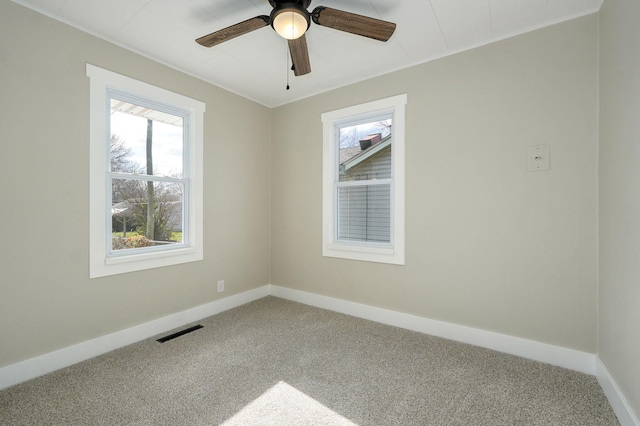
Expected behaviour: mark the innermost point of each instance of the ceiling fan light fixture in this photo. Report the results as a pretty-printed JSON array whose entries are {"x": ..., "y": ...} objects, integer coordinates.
[{"x": 290, "y": 21}]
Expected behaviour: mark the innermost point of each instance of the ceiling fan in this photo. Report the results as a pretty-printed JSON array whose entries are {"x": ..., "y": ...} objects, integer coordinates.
[{"x": 291, "y": 19}]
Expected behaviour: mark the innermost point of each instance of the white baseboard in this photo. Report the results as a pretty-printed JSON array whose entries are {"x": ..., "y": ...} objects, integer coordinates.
[
  {"x": 550, "y": 354},
  {"x": 47, "y": 363},
  {"x": 616, "y": 398},
  {"x": 555, "y": 355}
]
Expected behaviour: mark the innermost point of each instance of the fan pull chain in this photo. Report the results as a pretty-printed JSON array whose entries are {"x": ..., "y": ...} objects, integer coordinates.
[{"x": 287, "y": 55}]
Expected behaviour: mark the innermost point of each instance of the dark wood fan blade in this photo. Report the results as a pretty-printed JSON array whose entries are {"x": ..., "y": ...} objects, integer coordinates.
[
  {"x": 300, "y": 56},
  {"x": 376, "y": 29},
  {"x": 234, "y": 31}
]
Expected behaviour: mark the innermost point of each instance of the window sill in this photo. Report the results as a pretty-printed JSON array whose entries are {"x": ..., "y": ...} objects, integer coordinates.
[
  {"x": 363, "y": 253},
  {"x": 139, "y": 262},
  {"x": 137, "y": 257}
]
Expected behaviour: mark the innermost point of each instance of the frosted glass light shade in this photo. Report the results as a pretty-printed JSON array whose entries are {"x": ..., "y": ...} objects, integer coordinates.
[{"x": 290, "y": 24}]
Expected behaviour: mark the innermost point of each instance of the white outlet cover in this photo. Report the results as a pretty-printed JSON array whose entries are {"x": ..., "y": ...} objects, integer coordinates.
[{"x": 538, "y": 158}]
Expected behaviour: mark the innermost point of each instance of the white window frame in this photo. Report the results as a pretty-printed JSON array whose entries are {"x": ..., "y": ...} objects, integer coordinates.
[
  {"x": 393, "y": 253},
  {"x": 102, "y": 262}
]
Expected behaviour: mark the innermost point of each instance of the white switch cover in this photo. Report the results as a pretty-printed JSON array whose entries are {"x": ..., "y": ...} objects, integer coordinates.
[{"x": 537, "y": 158}]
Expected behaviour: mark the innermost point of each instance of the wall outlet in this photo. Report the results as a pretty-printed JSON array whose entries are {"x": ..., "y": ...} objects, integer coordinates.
[{"x": 220, "y": 286}]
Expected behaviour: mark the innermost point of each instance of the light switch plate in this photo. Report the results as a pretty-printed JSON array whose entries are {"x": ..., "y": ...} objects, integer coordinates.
[{"x": 538, "y": 158}]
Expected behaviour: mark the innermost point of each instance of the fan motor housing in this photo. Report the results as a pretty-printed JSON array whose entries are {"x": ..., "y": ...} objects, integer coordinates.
[
  {"x": 303, "y": 3},
  {"x": 283, "y": 6}
]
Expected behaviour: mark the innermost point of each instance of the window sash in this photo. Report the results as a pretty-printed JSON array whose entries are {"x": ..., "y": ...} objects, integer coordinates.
[
  {"x": 146, "y": 178},
  {"x": 132, "y": 98},
  {"x": 120, "y": 95},
  {"x": 361, "y": 235},
  {"x": 363, "y": 212}
]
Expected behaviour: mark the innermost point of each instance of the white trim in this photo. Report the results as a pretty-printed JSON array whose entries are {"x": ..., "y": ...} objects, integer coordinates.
[
  {"x": 616, "y": 398},
  {"x": 47, "y": 363},
  {"x": 555, "y": 355},
  {"x": 394, "y": 105},
  {"x": 101, "y": 82}
]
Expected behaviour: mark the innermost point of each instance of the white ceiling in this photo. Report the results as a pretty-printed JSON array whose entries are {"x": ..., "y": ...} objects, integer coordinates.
[{"x": 255, "y": 65}]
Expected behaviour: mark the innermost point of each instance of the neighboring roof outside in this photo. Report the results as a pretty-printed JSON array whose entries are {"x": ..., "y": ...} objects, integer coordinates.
[
  {"x": 348, "y": 153},
  {"x": 358, "y": 156}
]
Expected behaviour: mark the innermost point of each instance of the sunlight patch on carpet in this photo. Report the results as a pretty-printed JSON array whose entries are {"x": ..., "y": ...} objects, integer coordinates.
[{"x": 285, "y": 405}]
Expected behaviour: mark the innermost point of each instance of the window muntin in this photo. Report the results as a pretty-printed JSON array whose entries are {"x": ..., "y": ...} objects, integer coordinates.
[
  {"x": 179, "y": 182},
  {"x": 363, "y": 193}
]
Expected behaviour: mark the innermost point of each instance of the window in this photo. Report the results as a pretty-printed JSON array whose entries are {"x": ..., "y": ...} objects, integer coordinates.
[
  {"x": 363, "y": 182},
  {"x": 146, "y": 175}
]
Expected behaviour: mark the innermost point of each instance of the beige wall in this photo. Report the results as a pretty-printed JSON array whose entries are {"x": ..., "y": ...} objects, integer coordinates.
[
  {"x": 619, "y": 303},
  {"x": 47, "y": 301},
  {"x": 489, "y": 245}
]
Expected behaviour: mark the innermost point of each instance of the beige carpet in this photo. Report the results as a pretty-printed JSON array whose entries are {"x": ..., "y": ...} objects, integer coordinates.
[{"x": 275, "y": 362}]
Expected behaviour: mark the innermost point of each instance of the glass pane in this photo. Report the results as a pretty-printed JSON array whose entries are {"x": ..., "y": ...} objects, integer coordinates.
[
  {"x": 365, "y": 151},
  {"x": 145, "y": 141},
  {"x": 364, "y": 213},
  {"x": 130, "y": 224}
]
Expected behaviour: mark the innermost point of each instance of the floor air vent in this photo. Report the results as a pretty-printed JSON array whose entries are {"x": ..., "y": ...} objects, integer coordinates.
[{"x": 179, "y": 333}]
